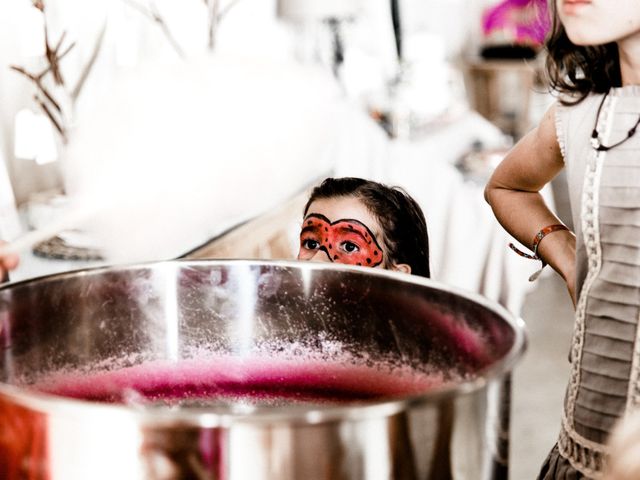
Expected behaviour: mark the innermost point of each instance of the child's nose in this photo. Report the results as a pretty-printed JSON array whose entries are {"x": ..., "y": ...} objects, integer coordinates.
[{"x": 320, "y": 255}]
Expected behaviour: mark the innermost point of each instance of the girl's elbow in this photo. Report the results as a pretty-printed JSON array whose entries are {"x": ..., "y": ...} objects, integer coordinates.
[{"x": 489, "y": 193}]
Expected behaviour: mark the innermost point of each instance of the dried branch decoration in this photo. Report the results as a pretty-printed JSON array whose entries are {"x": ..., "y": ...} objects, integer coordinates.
[
  {"x": 213, "y": 7},
  {"x": 227, "y": 7},
  {"x": 153, "y": 14},
  {"x": 53, "y": 55},
  {"x": 75, "y": 93},
  {"x": 216, "y": 14},
  {"x": 45, "y": 99}
]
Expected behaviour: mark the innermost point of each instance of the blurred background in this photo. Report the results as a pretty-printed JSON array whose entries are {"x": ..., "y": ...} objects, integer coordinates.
[{"x": 204, "y": 124}]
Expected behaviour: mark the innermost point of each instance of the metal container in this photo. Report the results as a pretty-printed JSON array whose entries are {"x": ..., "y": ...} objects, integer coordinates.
[{"x": 89, "y": 323}]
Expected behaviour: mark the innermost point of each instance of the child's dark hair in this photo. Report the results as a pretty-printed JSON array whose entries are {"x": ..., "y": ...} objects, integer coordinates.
[
  {"x": 404, "y": 227},
  {"x": 579, "y": 70}
]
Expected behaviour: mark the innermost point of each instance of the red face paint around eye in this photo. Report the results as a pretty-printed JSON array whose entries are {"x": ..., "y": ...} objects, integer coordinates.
[{"x": 345, "y": 241}]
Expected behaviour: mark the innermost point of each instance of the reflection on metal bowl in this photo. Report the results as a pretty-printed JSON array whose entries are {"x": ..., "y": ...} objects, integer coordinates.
[{"x": 251, "y": 370}]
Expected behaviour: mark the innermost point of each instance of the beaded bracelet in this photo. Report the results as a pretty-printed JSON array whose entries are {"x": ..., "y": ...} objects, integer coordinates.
[{"x": 536, "y": 242}]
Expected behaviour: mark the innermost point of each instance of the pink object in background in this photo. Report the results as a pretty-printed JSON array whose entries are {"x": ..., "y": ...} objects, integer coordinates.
[{"x": 528, "y": 21}]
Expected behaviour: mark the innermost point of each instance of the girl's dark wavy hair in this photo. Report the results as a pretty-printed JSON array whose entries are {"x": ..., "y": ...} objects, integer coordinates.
[
  {"x": 404, "y": 227},
  {"x": 579, "y": 70}
]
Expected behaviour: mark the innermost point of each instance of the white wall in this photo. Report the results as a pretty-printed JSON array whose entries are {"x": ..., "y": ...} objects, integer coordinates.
[{"x": 250, "y": 26}]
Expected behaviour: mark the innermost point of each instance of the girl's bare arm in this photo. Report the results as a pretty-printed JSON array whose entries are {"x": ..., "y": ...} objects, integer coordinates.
[{"x": 513, "y": 193}]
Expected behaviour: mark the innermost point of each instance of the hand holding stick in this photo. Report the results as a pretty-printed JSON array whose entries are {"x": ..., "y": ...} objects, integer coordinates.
[{"x": 8, "y": 261}]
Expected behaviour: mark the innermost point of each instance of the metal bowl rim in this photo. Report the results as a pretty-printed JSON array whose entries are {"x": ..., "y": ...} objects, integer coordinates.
[{"x": 296, "y": 414}]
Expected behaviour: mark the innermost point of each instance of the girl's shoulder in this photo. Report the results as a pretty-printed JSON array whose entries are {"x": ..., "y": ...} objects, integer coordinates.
[{"x": 568, "y": 104}]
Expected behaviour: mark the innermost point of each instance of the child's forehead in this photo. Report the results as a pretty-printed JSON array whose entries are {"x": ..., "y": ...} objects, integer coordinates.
[{"x": 339, "y": 208}]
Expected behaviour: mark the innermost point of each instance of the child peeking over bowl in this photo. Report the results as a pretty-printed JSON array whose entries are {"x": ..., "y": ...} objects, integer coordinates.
[
  {"x": 361, "y": 222},
  {"x": 353, "y": 221}
]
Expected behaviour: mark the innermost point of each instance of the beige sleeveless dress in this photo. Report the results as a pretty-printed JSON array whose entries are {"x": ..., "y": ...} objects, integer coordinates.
[{"x": 604, "y": 190}]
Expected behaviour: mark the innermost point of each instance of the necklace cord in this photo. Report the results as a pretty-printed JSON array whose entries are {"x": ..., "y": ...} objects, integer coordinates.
[{"x": 595, "y": 136}]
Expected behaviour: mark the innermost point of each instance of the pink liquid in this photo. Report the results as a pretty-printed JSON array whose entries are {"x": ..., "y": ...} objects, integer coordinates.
[{"x": 260, "y": 381}]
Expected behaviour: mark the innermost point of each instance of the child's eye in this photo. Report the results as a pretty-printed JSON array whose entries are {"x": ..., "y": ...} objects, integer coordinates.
[
  {"x": 350, "y": 247},
  {"x": 310, "y": 244}
]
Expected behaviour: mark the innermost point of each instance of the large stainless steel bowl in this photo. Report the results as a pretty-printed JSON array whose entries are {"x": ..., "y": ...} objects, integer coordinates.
[{"x": 85, "y": 326}]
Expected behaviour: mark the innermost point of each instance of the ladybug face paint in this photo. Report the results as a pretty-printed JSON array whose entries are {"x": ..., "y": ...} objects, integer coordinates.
[{"x": 343, "y": 241}]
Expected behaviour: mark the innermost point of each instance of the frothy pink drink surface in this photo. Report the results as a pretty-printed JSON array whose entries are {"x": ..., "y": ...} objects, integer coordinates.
[{"x": 260, "y": 381}]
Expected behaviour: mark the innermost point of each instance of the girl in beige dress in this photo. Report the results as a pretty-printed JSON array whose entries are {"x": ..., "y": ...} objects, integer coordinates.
[{"x": 594, "y": 65}]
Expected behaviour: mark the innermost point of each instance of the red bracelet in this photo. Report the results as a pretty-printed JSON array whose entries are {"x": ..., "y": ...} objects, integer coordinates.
[{"x": 535, "y": 243}]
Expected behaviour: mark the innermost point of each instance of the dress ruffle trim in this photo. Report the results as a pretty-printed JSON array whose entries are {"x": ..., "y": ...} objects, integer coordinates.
[{"x": 586, "y": 457}]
